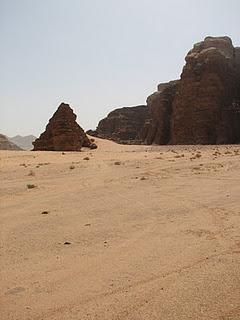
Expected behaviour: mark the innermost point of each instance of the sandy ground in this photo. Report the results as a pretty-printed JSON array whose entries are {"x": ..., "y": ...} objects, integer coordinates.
[{"x": 154, "y": 236}]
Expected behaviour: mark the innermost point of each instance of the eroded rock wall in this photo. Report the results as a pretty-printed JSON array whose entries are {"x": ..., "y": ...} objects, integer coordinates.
[
  {"x": 203, "y": 107},
  {"x": 123, "y": 125}
]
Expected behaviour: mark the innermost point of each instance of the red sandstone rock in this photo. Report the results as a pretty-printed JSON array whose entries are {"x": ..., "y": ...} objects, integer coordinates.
[
  {"x": 63, "y": 133},
  {"x": 122, "y": 125},
  {"x": 205, "y": 105},
  {"x": 157, "y": 129}
]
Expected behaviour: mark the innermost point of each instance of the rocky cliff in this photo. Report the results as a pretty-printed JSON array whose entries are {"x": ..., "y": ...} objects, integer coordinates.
[
  {"x": 123, "y": 125},
  {"x": 203, "y": 107},
  {"x": 206, "y": 104},
  {"x": 157, "y": 128},
  {"x": 63, "y": 133}
]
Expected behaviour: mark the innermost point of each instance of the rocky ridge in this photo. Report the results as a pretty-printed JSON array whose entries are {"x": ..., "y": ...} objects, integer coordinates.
[
  {"x": 24, "y": 142},
  {"x": 123, "y": 125},
  {"x": 5, "y": 144}
]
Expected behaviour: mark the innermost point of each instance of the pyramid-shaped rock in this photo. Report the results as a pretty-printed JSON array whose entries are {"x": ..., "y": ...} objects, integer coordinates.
[{"x": 63, "y": 133}]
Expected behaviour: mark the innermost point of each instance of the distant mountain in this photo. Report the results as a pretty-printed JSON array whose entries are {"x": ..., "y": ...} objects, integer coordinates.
[
  {"x": 24, "y": 143},
  {"x": 5, "y": 144}
]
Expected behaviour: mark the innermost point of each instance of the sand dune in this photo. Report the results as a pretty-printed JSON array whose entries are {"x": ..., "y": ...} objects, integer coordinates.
[{"x": 134, "y": 232}]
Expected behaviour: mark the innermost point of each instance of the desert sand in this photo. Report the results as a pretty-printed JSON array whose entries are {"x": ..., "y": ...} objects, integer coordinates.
[{"x": 135, "y": 232}]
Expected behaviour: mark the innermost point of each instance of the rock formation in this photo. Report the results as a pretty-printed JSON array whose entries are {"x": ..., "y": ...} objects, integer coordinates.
[
  {"x": 157, "y": 129},
  {"x": 63, "y": 133},
  {"x": 122, "y": 125},
  {"x": 5, "y": 144},
  {"x": 203, "y": 107}
]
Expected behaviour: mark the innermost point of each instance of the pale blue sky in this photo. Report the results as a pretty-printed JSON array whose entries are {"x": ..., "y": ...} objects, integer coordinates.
[{"x": 96, "y": 55}]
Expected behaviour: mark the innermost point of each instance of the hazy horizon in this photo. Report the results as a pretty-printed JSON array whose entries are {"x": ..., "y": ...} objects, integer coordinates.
[{"x": 96, "y": 56}]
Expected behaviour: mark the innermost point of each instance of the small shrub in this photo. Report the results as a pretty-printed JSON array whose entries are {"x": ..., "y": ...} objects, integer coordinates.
[
  {"x": 31, "y": 186},
  {"x": 196, "y": 168},
  {"x": 72, "y": 167},
  {"x": 23, "y": 165}
]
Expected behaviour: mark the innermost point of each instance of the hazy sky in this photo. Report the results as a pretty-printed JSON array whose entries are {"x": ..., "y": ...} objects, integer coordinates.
[{"x": 96, "y": 55}]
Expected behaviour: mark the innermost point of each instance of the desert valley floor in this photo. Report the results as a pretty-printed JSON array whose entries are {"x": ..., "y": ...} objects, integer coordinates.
[{"x": 121, "y": 232}]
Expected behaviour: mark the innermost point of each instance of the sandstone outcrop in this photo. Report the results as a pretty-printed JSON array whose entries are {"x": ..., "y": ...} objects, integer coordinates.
[
  {"x": 123, "y": 125},
  {"x": 5, "y": 144},
  {"x": 157, "y": 129},
  {"x": 63, "y": 133},
  {"x": 206, "y": 104},
  {"x": 203, "y": 107}
]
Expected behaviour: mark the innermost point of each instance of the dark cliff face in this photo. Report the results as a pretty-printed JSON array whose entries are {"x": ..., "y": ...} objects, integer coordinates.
[
  {"x": 203, "y": 107},
  {"x": 62, "y": 133},
  {"x": 206, "y": 102},
  {"x": 123, "y": 125},
  {"x": 157, "y": 129}
]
